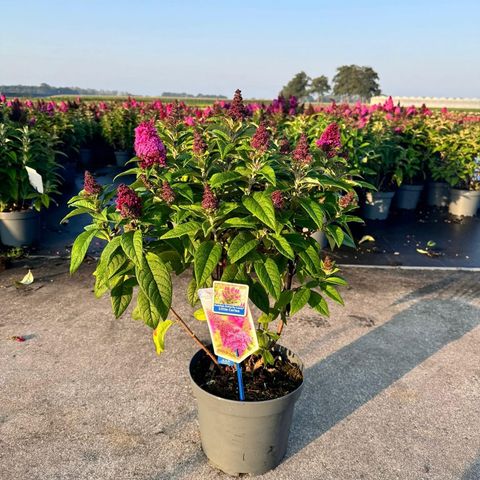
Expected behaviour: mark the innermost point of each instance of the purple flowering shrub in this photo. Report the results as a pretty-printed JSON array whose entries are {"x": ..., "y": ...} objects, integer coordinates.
[{"x": 228, "y": 199}]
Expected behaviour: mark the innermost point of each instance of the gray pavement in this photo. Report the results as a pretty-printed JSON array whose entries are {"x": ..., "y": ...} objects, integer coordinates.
[{"x": 392, "y": 385}]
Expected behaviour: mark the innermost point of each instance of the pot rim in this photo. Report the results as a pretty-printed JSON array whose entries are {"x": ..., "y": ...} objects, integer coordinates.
[
  {"x": 240, "y": 402},
  {"x": 26, "y": 212},
  {"x": 476, "y": 192},
  {"x": 411, "y": 186}
]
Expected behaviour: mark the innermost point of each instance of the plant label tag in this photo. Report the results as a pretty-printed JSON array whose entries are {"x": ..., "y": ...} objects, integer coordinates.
[
  {"x": 234, "y": 338},
  {"x": 224, "y": 361},
  {"x": 230, "y": 298},
  {"x": 35, "y": 179}
]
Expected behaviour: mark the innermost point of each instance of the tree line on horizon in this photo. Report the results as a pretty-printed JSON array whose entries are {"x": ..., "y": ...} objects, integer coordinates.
[
  {"x": 351, "y": 82},
  {"x": 46, "y": 90}
]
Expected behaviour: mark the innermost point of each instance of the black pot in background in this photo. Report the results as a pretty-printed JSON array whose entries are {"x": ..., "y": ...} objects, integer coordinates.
[{"x": 408, "y": 196}]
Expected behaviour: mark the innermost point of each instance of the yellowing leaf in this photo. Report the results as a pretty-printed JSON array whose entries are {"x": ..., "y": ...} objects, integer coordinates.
[
  {"x": 27, "y": 279},
  {"x": 200, "y": 315},
  {"x": 366, "y": 238},
  {"x": 159, "y": 335}
]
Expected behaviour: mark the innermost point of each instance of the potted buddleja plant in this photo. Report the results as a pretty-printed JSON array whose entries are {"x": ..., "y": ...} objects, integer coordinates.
[
  {"x": 225, "y": 201},
  {"x": 30, "y": 176},
  {"x": 117, "y": 126},
  {"x": 458, "y": 148}
]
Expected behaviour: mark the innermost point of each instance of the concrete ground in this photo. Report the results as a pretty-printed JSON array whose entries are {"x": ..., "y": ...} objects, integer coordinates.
[{"x": 392, "y": 386}]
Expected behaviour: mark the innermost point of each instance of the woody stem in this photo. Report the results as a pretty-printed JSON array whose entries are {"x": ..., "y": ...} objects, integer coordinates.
[{"x": 195, "y": 338}]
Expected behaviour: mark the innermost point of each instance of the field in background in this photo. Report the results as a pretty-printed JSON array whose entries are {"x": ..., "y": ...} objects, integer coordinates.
[{"x": 198, "y": 102}]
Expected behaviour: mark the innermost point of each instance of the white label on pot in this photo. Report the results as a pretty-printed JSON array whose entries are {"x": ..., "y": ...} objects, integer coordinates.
[{"x": 35, "y": 179}]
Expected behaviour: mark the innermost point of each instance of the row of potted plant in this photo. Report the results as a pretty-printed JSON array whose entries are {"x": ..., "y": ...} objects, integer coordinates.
[{"x": 391, "y": 147}]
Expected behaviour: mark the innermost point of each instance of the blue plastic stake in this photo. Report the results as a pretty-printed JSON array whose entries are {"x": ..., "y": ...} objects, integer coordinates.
[{"x": 241, "y": 391}]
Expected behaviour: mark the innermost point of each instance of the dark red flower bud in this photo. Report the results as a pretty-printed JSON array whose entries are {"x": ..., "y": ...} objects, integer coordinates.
[
  {"x": 260, "y": 139},
  {"x": 209, "y": 200},
  {"x": 277, "y": 199},
  {"x": 237, "y": 108},
  {"x": 199, "y": 146},
  {"x": 284, "y": 146},
  {"x": 128, "y": 202},
  {"x": 328, "y": 264},
  {"x": 347, "y": 200},
  {"x": 90, "y": 185},
  {"x": 301, "y": 154},
  {"x": 148, "y": 184},
  {"x": 168, "y": 195}
]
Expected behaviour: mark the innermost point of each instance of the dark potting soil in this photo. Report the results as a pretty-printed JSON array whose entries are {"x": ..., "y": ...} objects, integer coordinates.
[{"x": 264, "y": 383}]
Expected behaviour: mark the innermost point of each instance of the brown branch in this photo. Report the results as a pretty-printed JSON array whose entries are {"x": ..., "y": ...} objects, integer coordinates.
[{"x": 195, "y": 338}]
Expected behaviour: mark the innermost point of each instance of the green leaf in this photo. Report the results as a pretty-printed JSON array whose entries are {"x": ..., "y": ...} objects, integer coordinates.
[
  {"x": 237, "y": 222},
  {"x": 335, "y": 232},
  {"x": 268, "y": 173},
  {"x": 317, "y": 302},
  {"x": 206, "y": 258},
  {"x": 284, "y": 300},
  {"x": 192, "y": 295},
  {"x": 79, "y": 249},
  {"x": 200, "y": 315},
  {"x": 299, "y": 299},
  {"x": 297, "y": 241},
  {"x": 333, "y": 294},
  {"x": 155, "y": 281},
  {"x": 219, "y": 179},
  {"x": 259, "y": 297},
  {"x": 146, "y": 311},
  {"x": 132, "y": 245},
  {"x": 314, "y": 211},
  {"x": 189, "y": 228},
  {"x": 242, "y": 244},
  {"x": 159, "y": 335},
  {"x": 282, "y": 246},
  {"x": 101, "y": 276},
  {"x": 234, "y": 273},
  {"x": 260, "y": 205},
  {"x": 173, "y": 260},
  {"x": 269, "y": 276},
  {"x": 311, "y": 260},
  {"x": 336, "y": 280},
  {"x": 121, "y": 295},
  {"x": 265, "y": 319}
]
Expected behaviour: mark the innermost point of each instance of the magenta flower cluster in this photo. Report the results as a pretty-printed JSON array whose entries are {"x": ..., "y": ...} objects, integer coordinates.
[
  {"x": 330, "y": 141},
  {"x": 128, "y": 202},
  {"x": 149, "y": 148}
]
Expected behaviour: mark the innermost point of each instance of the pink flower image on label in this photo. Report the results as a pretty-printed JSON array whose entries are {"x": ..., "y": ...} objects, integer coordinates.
[{"x": 230, "y": 334}]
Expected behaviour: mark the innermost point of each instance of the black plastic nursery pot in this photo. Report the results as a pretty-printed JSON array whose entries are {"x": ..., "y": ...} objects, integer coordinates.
[
  {"x": 438, "y": 194},
  {"x": 122, "y": 157},
  {"x": 19, "y": 229},
  {"x": 377, "y": 205},
  {"x": 245, "y": 436},
  {"x": 408, "y": 196}
]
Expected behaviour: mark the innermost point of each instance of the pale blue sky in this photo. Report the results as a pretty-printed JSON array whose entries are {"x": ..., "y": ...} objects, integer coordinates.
[{"x": 422, "y": 47}]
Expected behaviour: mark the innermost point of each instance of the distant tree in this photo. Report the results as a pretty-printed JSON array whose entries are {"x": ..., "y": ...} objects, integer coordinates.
[
  {"x": 298, "y": 86},
  {"x": 319, "y": 87},
  {"x": 353, "y": 80}
]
